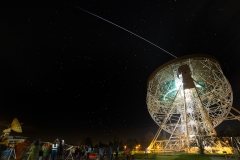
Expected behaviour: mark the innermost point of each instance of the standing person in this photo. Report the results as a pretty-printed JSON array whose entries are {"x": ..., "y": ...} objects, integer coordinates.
[
  {"x": 146, "y": 154},
  {"x": 46, "y": 151},
  {"x": 110, "y": 153},
  {"x": 85, "y": 152},
  {"x": 124, "y": 154},
  {"x": 60, "y": 150},
  {"x": 22, "y": 149},
  {"x": 127, "y": 153},
  {"x": 101, "y": 153},
  {"x": 132, "y": 154},
  {"x": 107, "y": 152},
  {"x": 89, "y": 149},
  {"x": 34, "y": 151},
  {"x": 55, "y": 146},
  {"x": 82, "y": 152},
  {"x": 77, "y": 153},
  {"x": 116, "y": 150},
  {"x": 40, "y": 153}
]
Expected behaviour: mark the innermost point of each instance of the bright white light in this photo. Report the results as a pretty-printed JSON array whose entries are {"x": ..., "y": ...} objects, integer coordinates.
[
  {"x": 197, "y": 85},
  {"x": 188, "y": 94},
  {"x": 191, "y": 135},
  {"x": 169, "y": 92},
  {"x": 187, "y": 91},
  {"x": 188, "y": 99},
  {"x": 189, "y": 110},
  {"x": 178, "y": 84},
  {"x": 191, "y": 122}
]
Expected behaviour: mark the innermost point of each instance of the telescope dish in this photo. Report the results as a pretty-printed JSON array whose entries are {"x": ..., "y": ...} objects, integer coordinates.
[
  {"x": 16, "y": 126},
  {"x": 187, "y": 97}
]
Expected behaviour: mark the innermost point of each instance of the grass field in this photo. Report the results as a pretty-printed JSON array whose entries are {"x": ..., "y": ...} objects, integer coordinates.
[{"x": 175, "y": 156}]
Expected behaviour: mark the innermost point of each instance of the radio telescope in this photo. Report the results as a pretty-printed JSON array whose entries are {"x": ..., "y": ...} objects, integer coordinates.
[
  {"x": 186, "y": 97},
  {"x": 15, "y": 126}
]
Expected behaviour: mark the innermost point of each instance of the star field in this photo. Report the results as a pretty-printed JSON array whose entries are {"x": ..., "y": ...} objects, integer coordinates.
[{"x": 65, "y": 70}]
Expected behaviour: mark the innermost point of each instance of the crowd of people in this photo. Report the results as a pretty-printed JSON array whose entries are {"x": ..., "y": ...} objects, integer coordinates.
[
  {"x": 59, "y": 151},
  {"x": 84, "y": 152}
]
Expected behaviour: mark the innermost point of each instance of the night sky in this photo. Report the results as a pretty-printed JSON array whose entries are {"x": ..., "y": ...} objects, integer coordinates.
[{"x": 67, "y": 74}]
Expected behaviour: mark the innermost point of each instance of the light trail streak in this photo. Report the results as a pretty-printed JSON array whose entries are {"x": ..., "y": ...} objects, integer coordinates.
[{"x": 127, "y": 31}]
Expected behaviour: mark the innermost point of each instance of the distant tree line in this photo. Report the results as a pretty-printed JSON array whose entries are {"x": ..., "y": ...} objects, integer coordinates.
[{"x": 117, "y": 142}]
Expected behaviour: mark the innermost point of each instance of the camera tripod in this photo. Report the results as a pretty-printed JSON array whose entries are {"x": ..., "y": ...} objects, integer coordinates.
[
  {"x": 70, "y": 153},
  {"x": 9, "y": 152}
]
